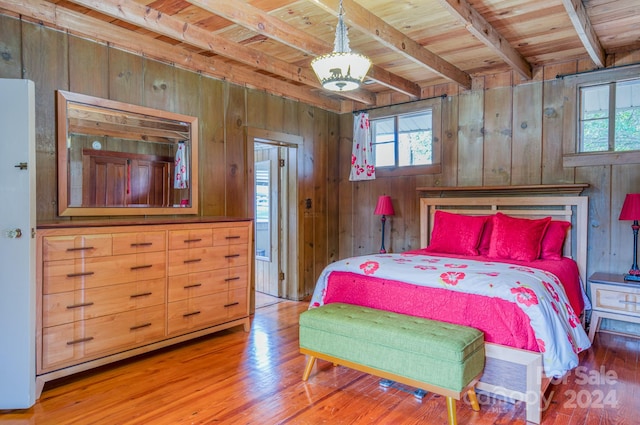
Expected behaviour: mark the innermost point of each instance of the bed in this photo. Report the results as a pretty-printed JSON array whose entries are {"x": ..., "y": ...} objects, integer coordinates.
[{"x": 528, "y": 297}]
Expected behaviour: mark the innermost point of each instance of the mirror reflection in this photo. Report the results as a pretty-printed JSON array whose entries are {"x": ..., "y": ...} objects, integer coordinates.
[{"x": 118, "y": 156}]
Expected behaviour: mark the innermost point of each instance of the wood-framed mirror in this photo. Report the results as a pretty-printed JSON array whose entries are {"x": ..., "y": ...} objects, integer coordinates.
[{"x": 117, "y": 159}]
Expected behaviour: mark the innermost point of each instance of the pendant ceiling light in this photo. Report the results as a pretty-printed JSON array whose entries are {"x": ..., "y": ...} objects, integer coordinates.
[{"x": 341, "y": 70}]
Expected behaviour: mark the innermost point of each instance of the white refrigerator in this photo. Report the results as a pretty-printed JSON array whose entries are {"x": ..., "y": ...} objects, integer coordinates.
[{"x": 17, "y": 244}]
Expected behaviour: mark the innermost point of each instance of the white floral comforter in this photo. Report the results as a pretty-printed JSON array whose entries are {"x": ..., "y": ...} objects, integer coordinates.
[{"x": 538, "y": 293}]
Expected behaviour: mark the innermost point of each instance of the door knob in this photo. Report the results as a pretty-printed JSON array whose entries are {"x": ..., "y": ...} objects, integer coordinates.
[{"x": 13, "y": 233}]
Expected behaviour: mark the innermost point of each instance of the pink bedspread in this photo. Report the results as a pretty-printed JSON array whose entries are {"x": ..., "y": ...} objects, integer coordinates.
[{"x": 502, "y": 321}]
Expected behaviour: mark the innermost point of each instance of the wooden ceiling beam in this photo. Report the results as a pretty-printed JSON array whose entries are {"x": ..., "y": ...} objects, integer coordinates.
[
  {"x": 475, "y": 23},
  {"x": 586, "y": 33},
  {"x": 159, "y": 23},
  {"x": 86, "y": 26},
  {"x": 251, "y": 17},
  {"x": 384, "y": 33}
]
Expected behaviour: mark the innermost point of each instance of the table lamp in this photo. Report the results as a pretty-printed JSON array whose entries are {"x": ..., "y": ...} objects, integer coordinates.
[
  {"x": 631, "y": 211},
  {"x": 384, "y": 208}
]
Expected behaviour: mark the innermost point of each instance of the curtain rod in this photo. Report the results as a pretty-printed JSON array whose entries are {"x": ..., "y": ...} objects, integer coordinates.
[
  {"x": 403, "y": 103},
  {"x": 561, "y": 76}
]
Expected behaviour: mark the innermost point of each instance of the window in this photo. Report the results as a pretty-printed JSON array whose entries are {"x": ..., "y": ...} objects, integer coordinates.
[
  {"x": 609, "y": 117},
  {"x": 263, "y": 208},
  {"x": 406, "y": 138},
  {"x": 403, "y": 140}
]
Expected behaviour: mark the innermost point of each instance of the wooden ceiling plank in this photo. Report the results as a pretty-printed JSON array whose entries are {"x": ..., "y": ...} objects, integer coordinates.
[
  {"x": 153, "y": 20},
  {"x": 375, "y": 27},
  {"x": 477, "y": 25},
  {"x": 261, "y": 22},
  {"x": 85, "y": 26},
  {"x": 581, "y": 22}
]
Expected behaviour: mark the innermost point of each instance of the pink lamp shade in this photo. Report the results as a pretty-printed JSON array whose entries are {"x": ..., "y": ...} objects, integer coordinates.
[
  {"x": 385, "y": 207},
  {"x": 631, "y": 211},
  {"x": 631, "y": 207}
]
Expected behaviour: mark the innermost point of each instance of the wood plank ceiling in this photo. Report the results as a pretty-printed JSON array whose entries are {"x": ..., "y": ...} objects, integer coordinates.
[{"x": 268, "y": 44}]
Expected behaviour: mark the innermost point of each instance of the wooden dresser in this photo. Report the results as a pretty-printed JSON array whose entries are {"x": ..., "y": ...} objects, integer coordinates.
[{"x": 108, "y": 291}]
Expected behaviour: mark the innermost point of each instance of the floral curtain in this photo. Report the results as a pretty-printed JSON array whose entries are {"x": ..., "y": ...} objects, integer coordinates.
[
  {"x": 181, "y": 173},
  {"x": 362, "y": 166}
]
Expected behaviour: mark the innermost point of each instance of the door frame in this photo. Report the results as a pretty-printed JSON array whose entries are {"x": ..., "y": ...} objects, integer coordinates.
[{"x": 290, "y": 241}]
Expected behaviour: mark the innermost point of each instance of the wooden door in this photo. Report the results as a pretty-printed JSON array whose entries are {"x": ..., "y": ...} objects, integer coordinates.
[
  {"x": 133, "y": 179},
  {"x": 267, "y": 220}
]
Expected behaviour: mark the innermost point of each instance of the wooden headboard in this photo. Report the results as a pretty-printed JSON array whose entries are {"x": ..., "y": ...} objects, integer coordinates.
[{"x": 570, "y": 208}]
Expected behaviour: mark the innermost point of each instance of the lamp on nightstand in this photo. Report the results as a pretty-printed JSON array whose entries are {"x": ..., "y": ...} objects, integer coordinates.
[
  {"x": 384, "y": 208},
  {"x": 631, "y": 211}
]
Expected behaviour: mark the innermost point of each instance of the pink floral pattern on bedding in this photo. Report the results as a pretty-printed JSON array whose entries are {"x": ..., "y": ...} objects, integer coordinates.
[{"x": 537, "y": 293}]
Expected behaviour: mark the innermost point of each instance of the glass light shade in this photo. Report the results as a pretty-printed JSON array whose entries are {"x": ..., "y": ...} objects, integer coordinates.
[{"x": 341, "y": 71}]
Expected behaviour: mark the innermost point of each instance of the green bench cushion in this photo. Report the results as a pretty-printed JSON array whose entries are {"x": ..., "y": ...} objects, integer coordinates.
[{"x": 442, "y": 354}]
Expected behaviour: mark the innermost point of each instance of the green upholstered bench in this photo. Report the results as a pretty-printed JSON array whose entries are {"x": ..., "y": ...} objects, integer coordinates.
[{"x": 443, "y": 358}]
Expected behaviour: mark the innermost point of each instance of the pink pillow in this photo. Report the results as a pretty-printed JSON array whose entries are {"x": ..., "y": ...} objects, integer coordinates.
[
  {"x": 455, "y": 233},
  {"x": 485, "y": 239},
  {"x": 516, "y": 238},
  {"x": 553, "y": 240}
]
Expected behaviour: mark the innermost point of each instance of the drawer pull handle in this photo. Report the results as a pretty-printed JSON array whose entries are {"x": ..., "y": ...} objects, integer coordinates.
[
  {"x": 79, "y": 341},
  {"x": 80, "y": 274},
  {"x": 233, "y": 237},
  {"x": 146, "y": 266},
  {"x": 231, "y": 255},
  {"x": 195, "y": 260},
  {"x": 229, "y": 279},
  {"x": 79, "y": 305},
  {"x": 192, "y": 240},
  {"x": 80, "y": 248},
  {"x": 143, "y": 294},
  {"x": 191, "y": 314},
  {"x": 135, "y": 245},
  {"x": 195, "y": 285},
  {"x": 232, "y": 304},
  {"x": 144, "y": 325},
  {"x": 629, "y": 302}
]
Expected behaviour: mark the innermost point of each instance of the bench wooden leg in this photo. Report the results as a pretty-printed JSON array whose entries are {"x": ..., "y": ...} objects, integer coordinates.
[
  {"x": 473, "y": 399},
  {"x": 451, "y": 411},
  {"x": 307, "y": 369}
]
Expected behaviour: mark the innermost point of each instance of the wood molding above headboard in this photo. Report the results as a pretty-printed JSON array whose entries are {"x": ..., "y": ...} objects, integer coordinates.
[{"x": 573, "y": 189}]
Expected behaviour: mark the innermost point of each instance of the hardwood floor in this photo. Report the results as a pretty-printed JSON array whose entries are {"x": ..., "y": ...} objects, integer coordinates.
[{"x": 235, "y": 377}]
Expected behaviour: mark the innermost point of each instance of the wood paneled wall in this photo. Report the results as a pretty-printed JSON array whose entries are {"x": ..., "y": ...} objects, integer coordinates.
[
  {"x": 57, "y": 60},
  {"x": 502, "y": 132}
]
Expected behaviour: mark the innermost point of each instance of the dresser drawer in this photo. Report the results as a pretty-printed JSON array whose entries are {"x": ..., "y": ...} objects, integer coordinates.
[
  {"x": 238, "y": 277},
  {"x": 607, "y": 298},
  {"x": 75, "y": 247},
  {"x": 72, "y": 343},
  {"x": 196, "y": 284},
  {"x": 196, "y": 313},
  {"x": 230, "y": 236},
  {"x": 195, "y": 238},
  {"x": 71, "y": 275},
  {"x": 237, "y": 304},
  {"x": 67, "y": 307},
  {"x": 133, "y": 243},
  {"x": 197, "y": 260},
  {"x": 237, "y": 255}
]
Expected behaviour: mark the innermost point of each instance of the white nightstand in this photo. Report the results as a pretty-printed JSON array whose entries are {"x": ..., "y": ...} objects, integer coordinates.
[{"x": 613, "y": 298}]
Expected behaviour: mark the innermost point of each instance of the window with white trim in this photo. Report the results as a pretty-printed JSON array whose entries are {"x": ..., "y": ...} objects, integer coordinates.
[
  {"x": 406, "y": 138},
  {"x": 403, "y": 140},
  {"x": 609, "y": 116}
]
